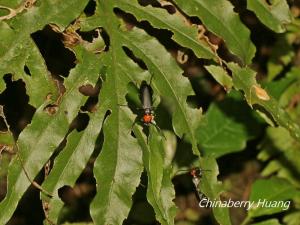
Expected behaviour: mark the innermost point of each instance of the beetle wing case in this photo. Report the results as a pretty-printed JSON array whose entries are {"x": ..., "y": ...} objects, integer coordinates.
[{"x": 146, "y": 95}]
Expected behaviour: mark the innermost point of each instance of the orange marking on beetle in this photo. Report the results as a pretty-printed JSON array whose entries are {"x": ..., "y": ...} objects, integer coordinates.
[
  {"x": 194, "y": 172},
  {"x": 148, "y": 118}
]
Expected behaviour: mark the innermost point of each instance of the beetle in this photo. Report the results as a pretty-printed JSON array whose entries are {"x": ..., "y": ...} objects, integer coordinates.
[
  {"x": 146, "y": 94},
  {"x": 146, "y": 99},
  {"x": 147, "y": 117},
  {"x": 196, "y": 173}
]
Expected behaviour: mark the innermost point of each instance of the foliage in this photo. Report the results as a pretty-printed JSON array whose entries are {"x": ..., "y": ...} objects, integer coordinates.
[{"x": 83, "y": 107}]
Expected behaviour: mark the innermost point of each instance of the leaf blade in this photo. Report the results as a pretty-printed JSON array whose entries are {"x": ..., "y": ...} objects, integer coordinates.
[
  {"x": 275, "y": 15},
  {"x": 167, "y": 78},
  {"x": 184, "y": 34},
  {"x": 244, "y": 79},
  {"x": 37, "y": 142},
  {"x": 219, "y": 17}
]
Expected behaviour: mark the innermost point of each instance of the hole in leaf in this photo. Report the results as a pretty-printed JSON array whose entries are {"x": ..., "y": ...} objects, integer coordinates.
[
  {"x": 170, "y": 8},
  {"x": 98, "y": 146},
  {"x": 89, "y": 35},
  {"x": 16, "y": 109},
  {"x": 34, "y": 214},
  {"x": 80, "y": 122},
  {"x": 90, "y": 104},
  {"x": 89, "y": 90},
  {"x": 107, "y": 114},
  {"x": 194, "y": 19},
  {"x": 129, "y": 19},
  {"x": 130, "y": 54},
  {"x": 78, "y": 198},
  {"x": 163, "y": 4},
  {"x": 239, "y": 6},
  {"x": 3, "y": 127},
  {"x": 224, "y": 52},
  {"x": 7, "y": 78},
  {"x": 192, "y": 101},
  {"x": 163, "y": 36},
  {"x": 27, "y": 71},
  {"x": 264, "y": 112},
  {"x": 132, "y": 134},
  {"x": 66, "y": 194},
  {"x": 140, "y": 206},
  {"x": 106, "y": 39},
  {"x": 56, "y": 152},
  {"x": 59, "y": 60},
  {"x": 269, "y": 2},
  {"x": 153, "y": 3},
  {"x": 93, "y": 92},
  {"x": 90, "y": 8}
]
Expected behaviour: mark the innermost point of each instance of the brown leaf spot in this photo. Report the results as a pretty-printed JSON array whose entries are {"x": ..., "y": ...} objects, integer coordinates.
[
  {"x": 261, "y": 93},
  {"x": 51, "y": 109}
]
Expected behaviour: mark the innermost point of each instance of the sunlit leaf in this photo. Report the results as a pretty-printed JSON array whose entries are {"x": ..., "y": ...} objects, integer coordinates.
[
  {"x": 19, "y": 50},
  {"x": 183, "y": 33},
  {"x": 46, "y": 131},
  {"x": 218, "y": 16},
  {"x": 221, "y": 76},
  {"x": 118, "y": 45},
  {"x": 71, "y": 162},
  {"x": 274, "y": 15}
]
